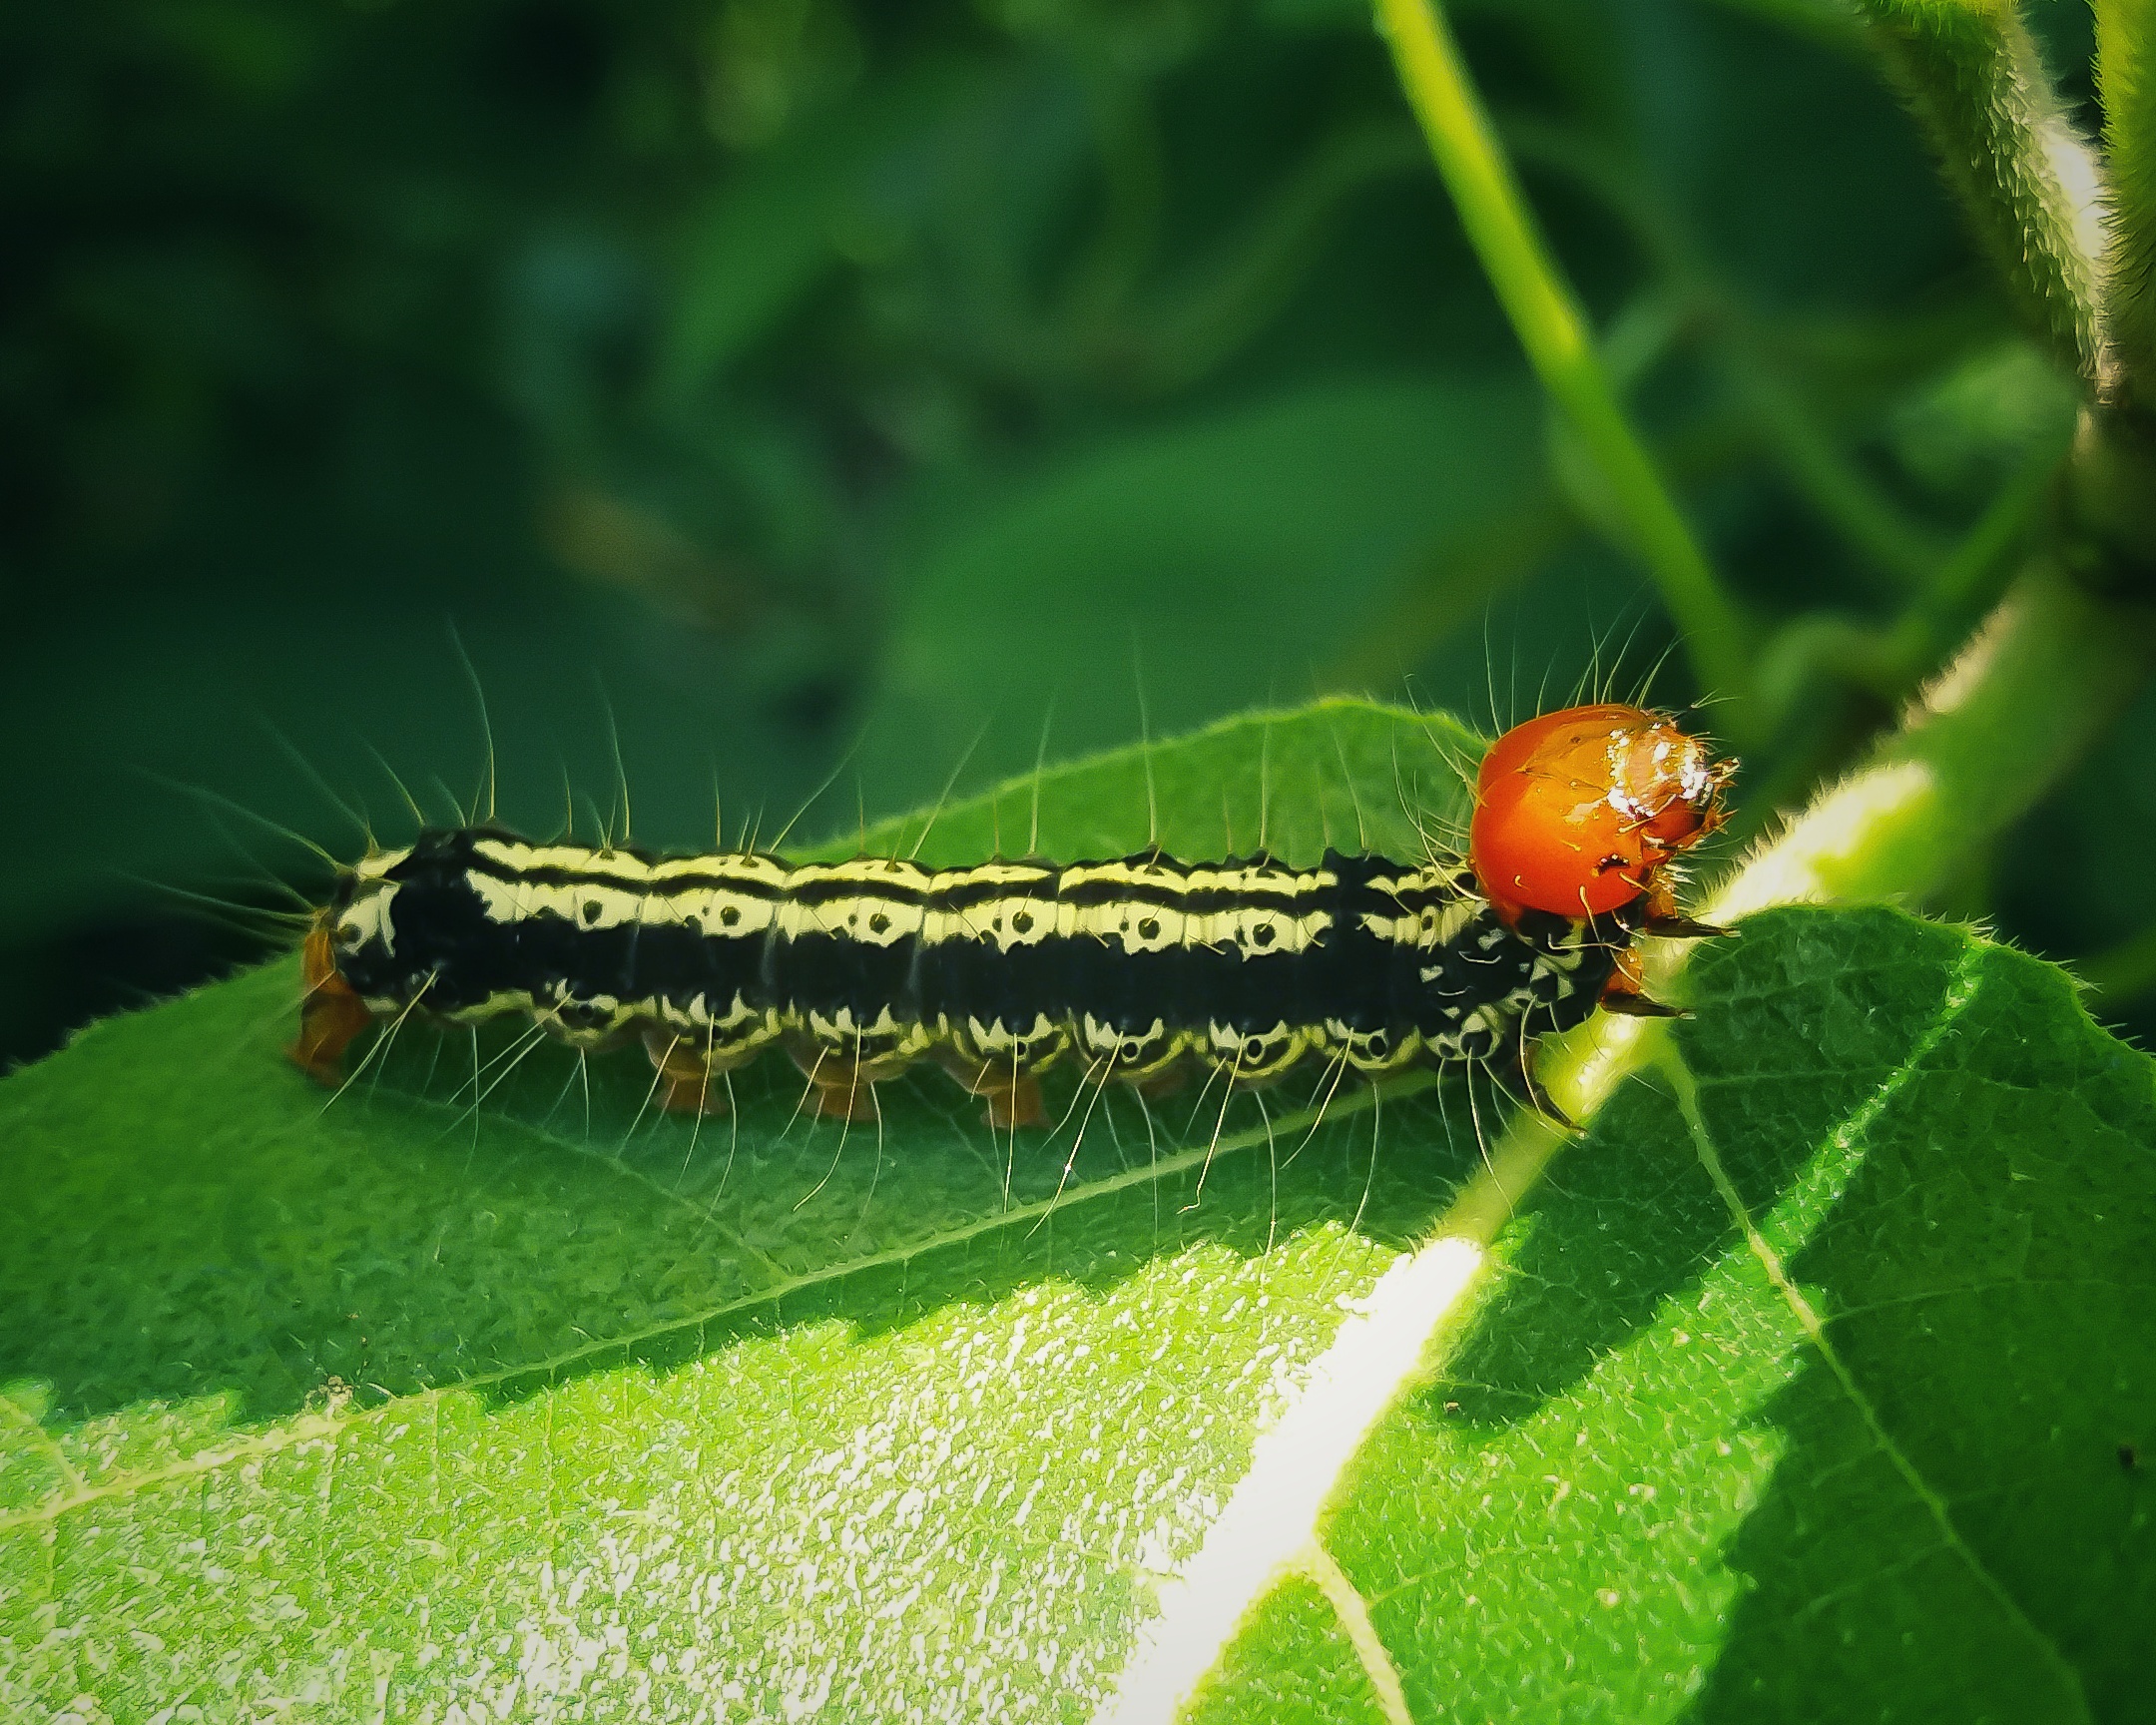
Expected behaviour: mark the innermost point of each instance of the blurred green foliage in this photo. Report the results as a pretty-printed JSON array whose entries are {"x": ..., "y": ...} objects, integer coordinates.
[{"x": 807, "y": 373}]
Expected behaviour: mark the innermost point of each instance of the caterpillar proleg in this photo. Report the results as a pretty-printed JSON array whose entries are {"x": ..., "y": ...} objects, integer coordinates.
[{"x": 1144, "y": 968}]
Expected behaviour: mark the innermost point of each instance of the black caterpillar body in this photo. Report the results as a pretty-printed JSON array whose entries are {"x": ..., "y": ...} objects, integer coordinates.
[{"x": 1142, "y": 969}]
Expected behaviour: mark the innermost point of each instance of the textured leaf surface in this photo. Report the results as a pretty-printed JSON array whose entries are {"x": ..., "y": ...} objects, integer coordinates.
[
  {"x": 402, "y": 1404},
  {"x": 1810, "y": 1405},
  {"x": 551, "y": 1408}
]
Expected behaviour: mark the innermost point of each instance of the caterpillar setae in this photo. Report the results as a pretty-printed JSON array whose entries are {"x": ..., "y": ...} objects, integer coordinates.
[{"x": 1146, "y": 969}]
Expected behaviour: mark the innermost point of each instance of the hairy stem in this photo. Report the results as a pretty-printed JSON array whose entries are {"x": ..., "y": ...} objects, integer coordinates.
[
  {"x": 2126, "y": 74},
  {"x": 2032, "y": 689},
  {"x": 2030, "y": 184}
]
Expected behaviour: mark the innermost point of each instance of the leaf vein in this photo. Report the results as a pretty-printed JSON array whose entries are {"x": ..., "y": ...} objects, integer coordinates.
[
  {"x": 1961, "y": 989},
  {"x": 1352, "y": 1611},
  {"x": 41, "y": 1440}
]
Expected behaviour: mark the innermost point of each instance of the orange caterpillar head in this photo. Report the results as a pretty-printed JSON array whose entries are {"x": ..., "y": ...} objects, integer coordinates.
[{"x": 1575, "y": 811}]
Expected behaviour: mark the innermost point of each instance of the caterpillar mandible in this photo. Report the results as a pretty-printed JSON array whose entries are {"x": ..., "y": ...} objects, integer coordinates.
[{"x": 1145, "y": 968}]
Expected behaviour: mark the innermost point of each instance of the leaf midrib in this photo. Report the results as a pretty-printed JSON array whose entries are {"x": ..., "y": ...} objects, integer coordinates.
[{"x": 1961, "y": 989}]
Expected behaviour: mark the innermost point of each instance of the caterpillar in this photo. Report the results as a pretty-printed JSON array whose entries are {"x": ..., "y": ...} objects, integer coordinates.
[{"x": 1145, "y": 969}]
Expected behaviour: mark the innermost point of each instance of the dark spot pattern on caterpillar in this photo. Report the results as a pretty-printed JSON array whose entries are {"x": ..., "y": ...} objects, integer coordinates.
[{"x": 1142, "y": 970}]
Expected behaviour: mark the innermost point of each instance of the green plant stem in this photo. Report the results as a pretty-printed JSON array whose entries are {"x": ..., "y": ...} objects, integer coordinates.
[
  {"x": 2126, "y": 75},
  {"x": 1203, "y": 318},
  {"x": 2033, "y": 688},
  {"x": 1887, "y": 661},
  {"x": 2048, "y": 670},
  {"x": 1883, "y": 537},
  {"x": 1887, "y": 540},
  {"x": 1977, "y": 79},
  {"x": 1555, "y": 334}
]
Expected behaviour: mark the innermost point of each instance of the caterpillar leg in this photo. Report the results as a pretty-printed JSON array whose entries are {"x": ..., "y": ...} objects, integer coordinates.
[
  {"x": 1511, "y": 1069},
  {"x": 1633, "y": 1005},
  {"x": 1625, "y": 991},
  {"x": 1678, "y": 928},
  {"x": 846, "y": 1098},
  {"x": 1017, "y": 1103},
  {"x": 686, "y": 1082},
  {"x": 1013, "y": 1097},
  {"x": 1166, "y": 1082},
  {"x": 843, "y": 1074},
  {"x": 1664, "y": 921},
  {"x": 842, "y": 1089},
  {"x": 1540, "y": 1098},
  {"x": 330, "y": 1017}
]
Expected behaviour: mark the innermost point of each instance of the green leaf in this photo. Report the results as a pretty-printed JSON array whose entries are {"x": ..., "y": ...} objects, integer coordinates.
[
  {"x": 392, "y": 1390},
  {"x": 1977, "y": 81},
  {"x": 1189, "y": 543},
  {"x": 1802, "y": 1392},
  {"x": 762, "y": 243},
  {"x": 2126, "y": 79},
  {"x": 393, "y": 1406}
]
